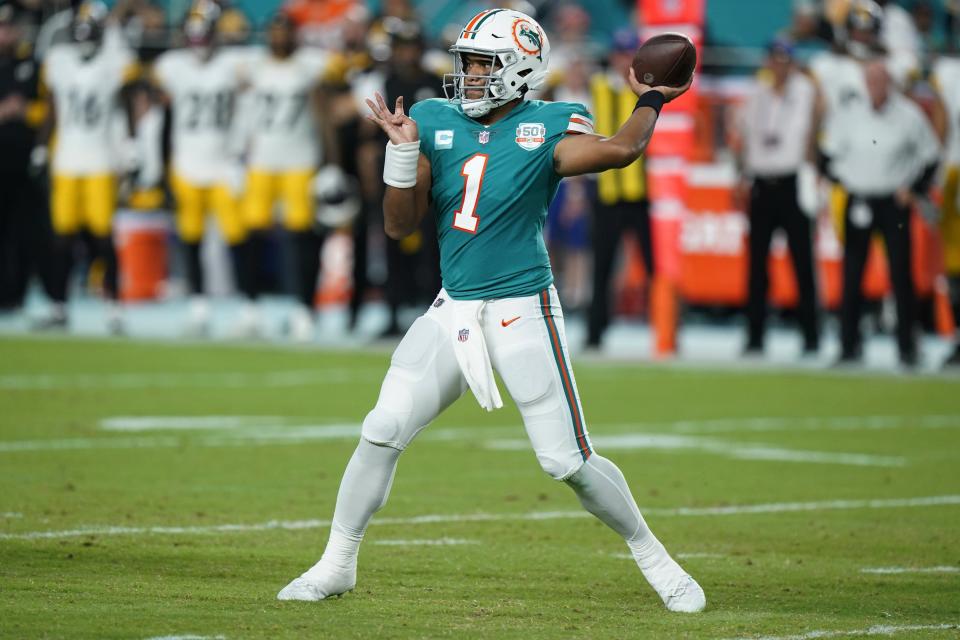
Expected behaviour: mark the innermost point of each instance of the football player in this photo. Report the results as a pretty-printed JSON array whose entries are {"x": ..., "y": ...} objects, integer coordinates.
[
  {"x": 282, "y": 156},
  {"x": 201, "y": 83},
  {"x": 490, "y": 160},
  {"x": 84, "y": 78},
  {"x": 946, "y": 78}
]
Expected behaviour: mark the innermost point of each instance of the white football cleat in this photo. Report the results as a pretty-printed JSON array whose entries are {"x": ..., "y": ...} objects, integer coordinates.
[
  {"x": 686, "y": 597},
  {"x": 322, "y": 580},
  {"x": 680, "y": 593},
  {"x": 301, "y": 325},
  {"x": 248, "y": 326},
  {"x": 198, "y": 321}
]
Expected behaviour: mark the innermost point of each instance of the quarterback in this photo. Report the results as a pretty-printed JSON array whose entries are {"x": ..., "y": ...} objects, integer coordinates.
[{"x": 490, "y": 160}]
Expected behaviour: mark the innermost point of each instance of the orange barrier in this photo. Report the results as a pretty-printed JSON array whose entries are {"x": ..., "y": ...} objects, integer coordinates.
[
  {"x": 715, "y": 259},
  {"x": 673, "y": 144},
  {"x": 142, "y": 253}
]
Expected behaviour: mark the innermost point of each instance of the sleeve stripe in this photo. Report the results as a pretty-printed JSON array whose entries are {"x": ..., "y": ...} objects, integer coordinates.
[
  {"x": 576, "y": 118},
  {"x": 577, "y": 127}
]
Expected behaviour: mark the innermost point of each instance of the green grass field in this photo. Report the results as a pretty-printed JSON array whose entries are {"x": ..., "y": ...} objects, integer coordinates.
[{"x": 124, "y": 465}]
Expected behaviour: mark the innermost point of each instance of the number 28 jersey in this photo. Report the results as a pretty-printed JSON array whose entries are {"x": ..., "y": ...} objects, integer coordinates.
[
  {"x": 491, "y": 189},
  {"x": 203, "y": 94}
]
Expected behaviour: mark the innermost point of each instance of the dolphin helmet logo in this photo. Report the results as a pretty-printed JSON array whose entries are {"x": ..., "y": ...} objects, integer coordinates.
[{"x": 532, "y": 39}]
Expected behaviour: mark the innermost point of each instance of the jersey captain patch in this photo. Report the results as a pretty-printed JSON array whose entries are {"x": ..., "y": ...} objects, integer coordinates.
[
  {"x": 531, "y": 135},
  {"x": 443, "y": 139}
]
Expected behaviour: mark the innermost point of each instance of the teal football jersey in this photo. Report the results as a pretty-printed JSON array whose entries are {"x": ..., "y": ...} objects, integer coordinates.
[{"x": 491, "y": 189}]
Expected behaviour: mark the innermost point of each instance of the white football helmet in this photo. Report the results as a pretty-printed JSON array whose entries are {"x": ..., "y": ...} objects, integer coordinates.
[
  {"x": 520, "y": 52},
  {"x": 336, "y": 197}
]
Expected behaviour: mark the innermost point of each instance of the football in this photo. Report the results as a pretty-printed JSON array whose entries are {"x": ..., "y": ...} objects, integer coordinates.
[{"x": 665, "y": 60}]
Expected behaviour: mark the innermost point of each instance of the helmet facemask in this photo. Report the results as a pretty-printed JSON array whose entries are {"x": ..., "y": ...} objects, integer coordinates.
[
  {"x": 88, "y": 26},
  {"x": 493, "y": 84}
]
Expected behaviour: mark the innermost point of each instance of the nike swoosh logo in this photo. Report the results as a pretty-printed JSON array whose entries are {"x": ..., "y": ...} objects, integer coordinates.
[{"x": 507, "y": 323}]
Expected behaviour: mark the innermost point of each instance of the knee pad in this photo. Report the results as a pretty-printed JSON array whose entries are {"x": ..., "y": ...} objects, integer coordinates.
[
  {"x": 560, "y": 468},
  {"x": 384, "y": 427}
]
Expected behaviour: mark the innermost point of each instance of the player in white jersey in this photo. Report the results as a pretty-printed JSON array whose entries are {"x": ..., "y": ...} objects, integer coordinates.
[
  {"x": 84, "y": 78},
  {"x": 202, "y": 82},
  {"x": 946, "y": 79},
  {"x": 283, "y": 151}
]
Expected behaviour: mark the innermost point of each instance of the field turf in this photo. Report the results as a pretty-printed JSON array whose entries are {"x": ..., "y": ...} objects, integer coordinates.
[{"x": 154, "y": 489}]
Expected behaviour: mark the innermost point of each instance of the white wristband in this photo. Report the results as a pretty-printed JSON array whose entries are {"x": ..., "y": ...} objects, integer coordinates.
[{"x": 400, "y": 164}]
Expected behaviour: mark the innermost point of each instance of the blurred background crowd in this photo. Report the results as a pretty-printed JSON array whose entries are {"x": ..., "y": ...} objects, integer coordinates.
[{"x": 197, "y": 151}]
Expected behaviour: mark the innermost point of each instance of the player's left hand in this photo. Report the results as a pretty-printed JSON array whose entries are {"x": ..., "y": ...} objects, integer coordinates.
[
  {"x": 669, "y": 93},
  {"x": 398, "y": 127}
]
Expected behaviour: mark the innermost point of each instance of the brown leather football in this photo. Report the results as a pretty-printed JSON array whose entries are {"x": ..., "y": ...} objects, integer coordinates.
[{"x": 665, "y": 60}]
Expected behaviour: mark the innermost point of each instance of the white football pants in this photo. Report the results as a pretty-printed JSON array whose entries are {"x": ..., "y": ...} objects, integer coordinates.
[{"x": 528, "y": 348}]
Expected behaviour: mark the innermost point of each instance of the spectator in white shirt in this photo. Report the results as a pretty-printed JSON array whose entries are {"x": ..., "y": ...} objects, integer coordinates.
[
  {"x": 885, "y": 154},
  {"x": 777, "y": 133}
]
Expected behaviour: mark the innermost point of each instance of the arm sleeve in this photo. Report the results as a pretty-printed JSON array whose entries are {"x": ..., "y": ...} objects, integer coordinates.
[
  {"x": 50, "y": 70},
  {"x": 579, "y": 120},
  {"x": 928, "y": 152},
  {"x": 160, "y": 72}
]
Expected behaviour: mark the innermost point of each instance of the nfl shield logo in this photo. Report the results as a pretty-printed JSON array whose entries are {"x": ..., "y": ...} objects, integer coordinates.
[
  {"x": 483, "y": 137},
  {"x": 463, "y": 335}
]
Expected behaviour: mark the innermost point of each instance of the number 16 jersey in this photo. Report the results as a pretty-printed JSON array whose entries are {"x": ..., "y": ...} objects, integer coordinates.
[{"x": 491, "y": 189}]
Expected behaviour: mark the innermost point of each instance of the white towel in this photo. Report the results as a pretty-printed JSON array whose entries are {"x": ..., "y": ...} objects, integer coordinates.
[{"x": 471, "y": 351}]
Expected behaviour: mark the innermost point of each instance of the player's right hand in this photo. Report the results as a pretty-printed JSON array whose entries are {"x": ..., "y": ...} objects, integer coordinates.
[
  {"x": 398, "y": 127},
  {"x": 669, "y": 93}
]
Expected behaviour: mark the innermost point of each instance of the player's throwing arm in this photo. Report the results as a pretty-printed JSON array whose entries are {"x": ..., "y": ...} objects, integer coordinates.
[{"x": 591, "y": 153}]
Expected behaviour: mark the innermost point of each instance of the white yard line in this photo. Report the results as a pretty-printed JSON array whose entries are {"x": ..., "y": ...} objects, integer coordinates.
[
  {"x": 248, "y": 436},
  {"x": 680, "y": 556},
  {"x": 876, "y": 630},
  {"x": 740, "y": 451},
  {"x": 826, "y": 423},
  {"x": 27, "y": 382},
  {"x": 188, "y": 637},
  {"x": 438, "y": 542},
  {"x": 899, "y": 570},
  {"x": 295, "y": 525},
  {"x": 186, "y": 423},
  {"x": 270, "y": 430},
  {"x": 10, "y": 515}
]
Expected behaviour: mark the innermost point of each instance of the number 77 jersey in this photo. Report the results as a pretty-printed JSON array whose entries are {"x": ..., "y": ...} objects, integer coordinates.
[{"x": 491, "y": 189}]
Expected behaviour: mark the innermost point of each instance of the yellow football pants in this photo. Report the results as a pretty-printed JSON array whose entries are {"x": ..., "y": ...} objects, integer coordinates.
[
  {"x": 950, "y": 222},
  {"x": 78, "y": 202},
  {"x": 193, "y": 203},
  {"x": 292, "y": 188}
]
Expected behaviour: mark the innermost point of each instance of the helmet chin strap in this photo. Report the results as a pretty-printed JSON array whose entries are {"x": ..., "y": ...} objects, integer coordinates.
[{"x": 477, "y": 109}]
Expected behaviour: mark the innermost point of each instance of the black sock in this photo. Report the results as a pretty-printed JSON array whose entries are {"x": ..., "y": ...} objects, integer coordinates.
[
  {"x": 105, "y": 250},
  {"x": 191, "y": 253},
  {"x": 63, "y": 246},
  {"x": 307, "y": 247},
  {"x": 953, "y": 284},
  {"x": 245, "y": 266}
]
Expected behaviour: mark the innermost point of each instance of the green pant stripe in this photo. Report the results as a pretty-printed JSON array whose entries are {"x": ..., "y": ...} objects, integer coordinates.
[{"x": 566, "y": 375}]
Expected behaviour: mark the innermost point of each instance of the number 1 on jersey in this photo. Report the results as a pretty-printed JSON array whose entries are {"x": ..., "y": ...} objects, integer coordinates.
[{"x": 465, "y": 218}]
